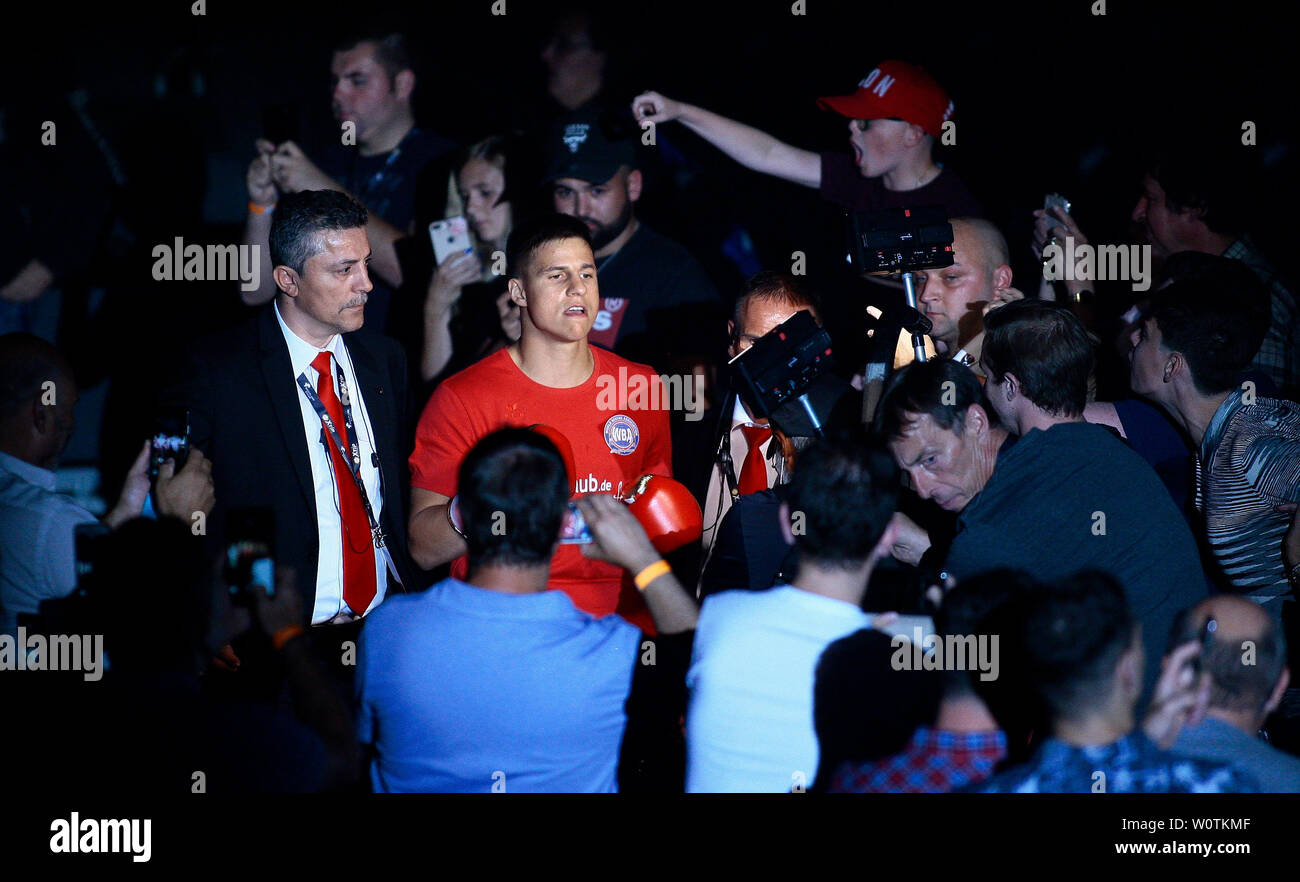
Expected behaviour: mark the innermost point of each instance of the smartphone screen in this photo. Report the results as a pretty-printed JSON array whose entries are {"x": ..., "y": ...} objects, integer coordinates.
[
  {"x": 170, "y": 440},
  {"x": 450, "y": 236},
  {"x": 575, "y": 530},
  {"x": 250, "y": 551}
]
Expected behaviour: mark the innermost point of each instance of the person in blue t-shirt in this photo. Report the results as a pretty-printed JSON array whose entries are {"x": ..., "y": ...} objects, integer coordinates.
[{"x": 497, "y": 684}]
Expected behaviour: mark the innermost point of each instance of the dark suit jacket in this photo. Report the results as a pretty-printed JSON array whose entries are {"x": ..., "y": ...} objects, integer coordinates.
[
  {"x": 245, "y": 417},
  {"x": 750, "y": 551}
]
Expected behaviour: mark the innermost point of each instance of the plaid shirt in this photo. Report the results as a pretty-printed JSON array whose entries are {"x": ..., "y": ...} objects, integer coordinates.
[
  {"x": 934, "y": 762},
  {"x": 1279, "y": 354},
  {"x": 1133, "y": 764}
]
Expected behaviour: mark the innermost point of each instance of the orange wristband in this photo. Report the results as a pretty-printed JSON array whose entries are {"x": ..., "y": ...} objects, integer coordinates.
[
  {"x": 285, "y": 634},
  {"x": 650, "y": 573},
  {"x": 259, "y": 209}
]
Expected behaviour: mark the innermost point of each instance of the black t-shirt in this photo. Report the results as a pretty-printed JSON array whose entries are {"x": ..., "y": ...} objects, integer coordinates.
[
  {"x": 1073, "y": 497},
  {"x": 656, "y": 302},
  {"x": 844, "y": 185},
  {"x": 652, "y": 758},
  {"x": 397, "y": 186}
]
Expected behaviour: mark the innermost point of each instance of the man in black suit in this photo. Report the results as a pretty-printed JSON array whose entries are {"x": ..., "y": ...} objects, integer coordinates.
[{"x": 304, "y": 413}]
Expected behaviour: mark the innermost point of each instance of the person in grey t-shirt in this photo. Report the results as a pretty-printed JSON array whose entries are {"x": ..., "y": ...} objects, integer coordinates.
[{"x": 1248, "y": 675}]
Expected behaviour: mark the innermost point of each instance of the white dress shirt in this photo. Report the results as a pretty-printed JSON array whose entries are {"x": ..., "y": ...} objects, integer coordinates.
[
  {"x": 329, "y": 603},
  {"x": 38, "y": 559},
  {"x": 718, "y": 501}
]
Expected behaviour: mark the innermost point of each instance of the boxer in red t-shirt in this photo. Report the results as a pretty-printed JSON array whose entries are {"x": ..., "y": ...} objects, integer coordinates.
[{"x": 553, "y": 377}]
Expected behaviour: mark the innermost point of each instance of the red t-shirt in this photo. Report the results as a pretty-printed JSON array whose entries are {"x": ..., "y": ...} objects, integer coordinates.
[{"x": 610, "y": 444}]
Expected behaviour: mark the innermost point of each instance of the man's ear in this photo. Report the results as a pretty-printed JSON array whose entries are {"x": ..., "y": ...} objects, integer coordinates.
[
  {"x": 977, "y": 421},
  {"x": 1174, "y": 365},
  {"x": 517, "y": 295},
  {"x": 404, "y": 84},
  {"x": 286, "y": 280},
  {"x": 731, "y": 338},
  {"x": 1129, "y": 670},
  {"x": 42, "y": 415},
  {"x": 787, "y": 532},
  {"x": 1011, "y": 386},
  {"x": 1276, "y": 698},
  {"x": 634, "y": 183},
  {"x": 1001, "y": 277}
]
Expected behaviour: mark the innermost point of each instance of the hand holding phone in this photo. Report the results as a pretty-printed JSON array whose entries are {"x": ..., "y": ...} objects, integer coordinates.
[
  {"x": 250, "y": 553},
  {"x": 170, "y": 440},
  {"x": 450, "y": 236}
]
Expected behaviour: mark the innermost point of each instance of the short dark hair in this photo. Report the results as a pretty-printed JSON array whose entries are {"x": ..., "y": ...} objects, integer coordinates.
[
  {"x": 513, "y": 490},
  {"x": 918, "y": 389},
  {"x": 300, "y": 217},
  {"x": 974, "y": 607},
  {"x": 1215, "y": 322},
  {"x": 537, "y": 231},
  {"x": 1234, "y": 685},
  {"x": 1048, "y": 350},
  {"x": 865, "y": 709},
  {"x": 392, "y": 51},
  {"x": 1072, "y": 634},
  {"x": 27, "y": 361},
  {"x": 769, "y": 286},
  {"x": 846, "y": 489}
]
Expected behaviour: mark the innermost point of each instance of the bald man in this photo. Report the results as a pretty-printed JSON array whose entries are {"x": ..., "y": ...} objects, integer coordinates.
[
  {"x": 955, "y": 298},
  {"x": 1248, "y": 675}
]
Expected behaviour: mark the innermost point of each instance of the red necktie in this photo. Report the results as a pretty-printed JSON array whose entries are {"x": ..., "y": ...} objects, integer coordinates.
[
  {"x": 358, "y": 542},
  {"x": 753, "y": 474}
]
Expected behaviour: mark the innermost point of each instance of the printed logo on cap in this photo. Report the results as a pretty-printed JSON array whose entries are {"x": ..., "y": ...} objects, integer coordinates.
[
  {"x": 575, "y": 134},
  {"x": 621, "y": 434},
  {"x": 882, "y": 87}
]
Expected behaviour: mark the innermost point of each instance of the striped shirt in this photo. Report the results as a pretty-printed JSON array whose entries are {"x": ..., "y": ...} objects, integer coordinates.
[
  {"x": 1279, "y": 354},
  {"x": 1248, "y": 462}
]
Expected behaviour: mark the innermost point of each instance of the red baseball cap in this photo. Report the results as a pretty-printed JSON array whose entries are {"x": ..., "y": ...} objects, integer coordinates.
[{"x": 896, "y": 89}]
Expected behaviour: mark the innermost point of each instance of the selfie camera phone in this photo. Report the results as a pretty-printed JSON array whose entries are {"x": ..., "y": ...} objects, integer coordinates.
[
  {"x": 1055, "y": 200},
  {"x": 450, "y": 236},
  {"x": 1207, "y": 641},
  {"x": 574, "y": 530},
  {"x": 250, "y": 552},
  {"x": 170, "y": 440}
]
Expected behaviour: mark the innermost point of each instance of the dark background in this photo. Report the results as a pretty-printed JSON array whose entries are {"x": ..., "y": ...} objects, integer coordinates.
[{"x": 1048, "y": 98}]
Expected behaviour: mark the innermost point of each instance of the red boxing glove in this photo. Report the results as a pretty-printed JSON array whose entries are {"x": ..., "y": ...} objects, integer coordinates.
[
  {"x": 666, "y": 511},
  {"x": 562, "y": 444}
]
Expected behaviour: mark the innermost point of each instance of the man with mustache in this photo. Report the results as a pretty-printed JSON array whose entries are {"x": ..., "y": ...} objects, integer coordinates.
[
  {"x": 656, "y": 300},
  {"x": 302, "y": 412}
]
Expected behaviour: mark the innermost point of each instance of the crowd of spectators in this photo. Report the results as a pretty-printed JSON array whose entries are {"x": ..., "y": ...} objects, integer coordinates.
[{"x": 1059, "y": 553}]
